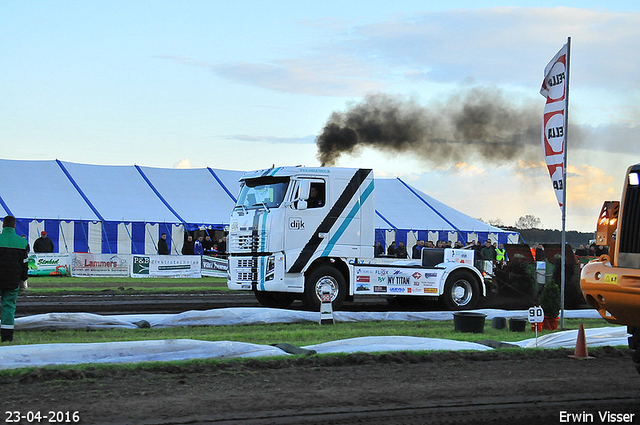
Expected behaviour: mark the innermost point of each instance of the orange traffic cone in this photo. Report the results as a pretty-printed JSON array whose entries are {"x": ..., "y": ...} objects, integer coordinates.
[{"x": 581, "y": 346}]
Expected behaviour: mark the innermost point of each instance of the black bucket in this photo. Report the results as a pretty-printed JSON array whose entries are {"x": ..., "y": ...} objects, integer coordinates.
[
  {"x": 469, "y": 322},
  {"x": 499, "y": 322},
  {"x": 517, "y": 325}
]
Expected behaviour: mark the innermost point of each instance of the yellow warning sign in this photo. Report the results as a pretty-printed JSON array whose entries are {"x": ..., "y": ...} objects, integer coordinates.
[{"x": 610, "y": 278}]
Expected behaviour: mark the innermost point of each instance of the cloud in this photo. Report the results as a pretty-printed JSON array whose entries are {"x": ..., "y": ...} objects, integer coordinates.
[
  {"x": 501, "y": 44},
  {"x": 183, "y": 163},
  {"x": 332, "y": 75},
  {"x": 272, "y": 139}
]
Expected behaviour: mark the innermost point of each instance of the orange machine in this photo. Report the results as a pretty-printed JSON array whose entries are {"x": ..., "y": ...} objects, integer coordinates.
[{"x": 611, "y": 284}]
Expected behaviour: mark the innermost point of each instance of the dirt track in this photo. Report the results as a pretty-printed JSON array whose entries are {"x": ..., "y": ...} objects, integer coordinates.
[{"x": 398, "y": 388}]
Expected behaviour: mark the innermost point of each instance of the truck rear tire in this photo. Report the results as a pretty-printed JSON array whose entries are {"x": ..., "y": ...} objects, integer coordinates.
[
  {"x": 274, "y": 299},
  {"x": 634, "y": 345},
  {"x": 313, "y": 285},
  {"x": 461, "y": 291}
]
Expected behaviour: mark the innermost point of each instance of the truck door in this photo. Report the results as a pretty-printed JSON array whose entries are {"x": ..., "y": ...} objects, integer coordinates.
[{"x": 304, "y": 218}]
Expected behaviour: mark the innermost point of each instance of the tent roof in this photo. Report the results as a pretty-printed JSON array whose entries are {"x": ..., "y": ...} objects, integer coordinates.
[
  {"x": 401, "y": 206},
  {"x": 205, "y": 196},
  {"x": 39, "y": 189}
]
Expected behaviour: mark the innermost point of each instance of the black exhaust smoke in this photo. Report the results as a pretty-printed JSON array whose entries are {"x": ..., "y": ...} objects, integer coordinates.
[{"x": 477, "y": 124}]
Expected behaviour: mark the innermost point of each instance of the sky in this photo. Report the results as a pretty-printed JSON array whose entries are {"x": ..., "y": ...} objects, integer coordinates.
[{"x": 249, "y": 84}]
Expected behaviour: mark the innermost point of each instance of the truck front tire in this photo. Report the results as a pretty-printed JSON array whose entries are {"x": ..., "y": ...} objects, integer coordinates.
[
  {"x": 316, "y": 280},
  {"x": 461, "y": 291}
]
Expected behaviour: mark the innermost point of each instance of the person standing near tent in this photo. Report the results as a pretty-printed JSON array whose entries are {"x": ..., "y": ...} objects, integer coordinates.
[
  {"x": 163, "y": 248},
  {"x": 391, "y": 251},
  {"x": 501, "y": 253},
  {"x": 43, "y": 243},
  {"x": 187, "y": 248},
  {"x": 222, "y": 246},
  {"x": 13, "y": 274},
  {"x": 488, "y": 253},
  {"x": 197, "y": 246}
]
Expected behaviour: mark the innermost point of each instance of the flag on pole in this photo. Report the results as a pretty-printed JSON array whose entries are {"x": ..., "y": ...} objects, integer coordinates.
[{"x": 554, "y": 88}]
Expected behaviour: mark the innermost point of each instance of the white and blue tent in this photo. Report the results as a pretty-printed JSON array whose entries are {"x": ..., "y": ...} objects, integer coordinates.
[{"x": 124, "y": 209}]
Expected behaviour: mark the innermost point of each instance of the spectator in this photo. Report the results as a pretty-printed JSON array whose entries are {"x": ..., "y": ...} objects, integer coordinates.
[
  {"x": 391, "y": 251},
  {"x": 43, "y": 243},
  {"x": 581, "y": 251},
  {"x": 416, "y": 252},
  {"x": 488, "y": 252},
  {"x": 207, "y": 244},
  {"x": 379, "y": 250},
  {"x": 13, "y": 274},
  {"x": 533, "y": 250},
  {"x": 401, "y": 251},
  {"x": 187, "y": 248},
  {"x": 458, "y": 245},
  {"x": 197, "y": 246},
  {"x": 222, "y": 246},
  {"x": 163, "y": 248},
  {"x": 428, "y": 244},
  {"x": 540, "y": 255},
  {"x": 501, "y": 253}
]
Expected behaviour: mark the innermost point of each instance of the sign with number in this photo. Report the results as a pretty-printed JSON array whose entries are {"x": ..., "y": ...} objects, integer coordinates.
[{"x": 536, "y": 315}]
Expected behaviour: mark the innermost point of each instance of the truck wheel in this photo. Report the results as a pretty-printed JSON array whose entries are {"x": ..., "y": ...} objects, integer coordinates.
[
  {"x": 634, "y": 345},
  {"x": 316, "y": 280},
  {"x": 274, "y": 299},
  {"x": 461, "y": 291}
]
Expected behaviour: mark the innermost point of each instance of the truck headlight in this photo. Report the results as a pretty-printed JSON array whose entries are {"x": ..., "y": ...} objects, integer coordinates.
[{"x": 271, "y": 266}]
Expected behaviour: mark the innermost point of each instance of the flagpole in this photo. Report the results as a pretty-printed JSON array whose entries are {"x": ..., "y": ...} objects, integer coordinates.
[{"x": 564, "y": 186}]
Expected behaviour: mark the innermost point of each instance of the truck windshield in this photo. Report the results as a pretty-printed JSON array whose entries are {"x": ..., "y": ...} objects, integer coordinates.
[{"x": 263, "y": 192}]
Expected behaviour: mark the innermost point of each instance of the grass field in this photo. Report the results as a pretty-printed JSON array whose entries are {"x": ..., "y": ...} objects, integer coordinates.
[
  {"x": 65, "y": 285},
  {"x": 266, "y": 334},
  {"x": 298, "y": 333}
]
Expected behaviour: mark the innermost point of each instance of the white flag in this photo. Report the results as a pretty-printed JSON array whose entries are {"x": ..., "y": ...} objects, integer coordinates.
[{"x": 554, "y": 88}]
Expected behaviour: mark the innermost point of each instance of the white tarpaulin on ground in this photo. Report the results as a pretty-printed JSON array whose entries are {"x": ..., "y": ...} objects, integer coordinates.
[
  {"x": 392, "y": 343},
  {"x": 16, "y": 356},
  {"x": 593, "y": 337},
  {"x": 250, "y": 316}
]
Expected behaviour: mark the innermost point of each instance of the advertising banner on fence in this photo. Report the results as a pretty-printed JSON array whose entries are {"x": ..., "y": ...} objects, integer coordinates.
[
  {"x": 166, "y": 266},
  {"x": 49, "y": 264},
  {"x": 101, "y": 265},
  {"x": 214, "y": 266}
]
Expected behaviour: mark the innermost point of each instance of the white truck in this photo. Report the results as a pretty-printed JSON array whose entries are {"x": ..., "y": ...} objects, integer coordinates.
[{"x": 297, "y": 231}]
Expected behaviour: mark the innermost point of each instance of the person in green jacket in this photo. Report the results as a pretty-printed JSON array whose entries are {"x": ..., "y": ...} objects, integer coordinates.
[{"x": 13, "y": 274}]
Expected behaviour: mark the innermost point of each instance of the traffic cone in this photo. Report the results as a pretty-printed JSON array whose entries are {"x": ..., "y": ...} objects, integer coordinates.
[{"x": 581, "y": 346}]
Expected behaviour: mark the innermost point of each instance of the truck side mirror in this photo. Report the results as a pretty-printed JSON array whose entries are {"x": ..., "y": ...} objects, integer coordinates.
[
  {"x": 302, "y": 205},
  {"x": 305, "y": 188}
]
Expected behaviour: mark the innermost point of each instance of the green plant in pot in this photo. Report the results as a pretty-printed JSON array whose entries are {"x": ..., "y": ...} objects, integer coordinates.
[{"x": 550, "y": 303}]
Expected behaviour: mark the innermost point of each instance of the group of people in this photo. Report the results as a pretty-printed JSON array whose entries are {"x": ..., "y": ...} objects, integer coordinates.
[
  {"x": 490, "y": 251},
  {"x": 203, "y": 245},
  {"x": 399, "y": 251}
]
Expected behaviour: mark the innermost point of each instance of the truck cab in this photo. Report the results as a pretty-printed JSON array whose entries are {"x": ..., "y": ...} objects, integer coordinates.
[{"x": 291, "y": 220}]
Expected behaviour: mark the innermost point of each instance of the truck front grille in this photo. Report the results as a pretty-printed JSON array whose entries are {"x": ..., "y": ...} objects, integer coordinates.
[
  {"x": 246, "y": 243},
  {"x": 247, "y": 276}
]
